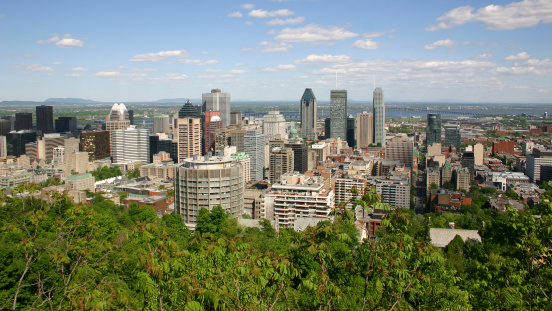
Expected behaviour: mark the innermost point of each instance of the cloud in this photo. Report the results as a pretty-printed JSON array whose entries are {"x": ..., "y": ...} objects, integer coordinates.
[
  {"x": 445, "y": 43},
  {"x": 197, "y": 62},
  {"x": 484, "y": 56},
  {"x": 239, "y": 65},
  {"x": 278, "y": 68},
  {"x": 523, "y": 14},
  {"x": 108, "y": 74},
  {"x": 287, "y": 21},
  {"x": 315, "y": 34},
  {"x": 175, "y": 76},
  {"x": 247, "y": 50},
  {"x": 73, "y": 75},
  {"x": 78, "y": 69},
  {"x": 247, "y": 6},
  {"x": 547, "y": 62},
  {"x": 57, "y": 63},
  {"x": 249, "y": 23},
  {"x": 271, "y": 47},
  {"x": 366, "y": 44},
  {"x": 66, "y": 42},
  {"x": 33, "y": 67},
  {"x": 159, "y": 56},
  {"x": 518, "y": 56},
  {"x": 324, "y": 59},
  {"x": 2, "y": 15},
  {"x": 145, "y": 70},
  {"x": 264, "y": 14},
  {"x": 235, "y": 14},
  {"x": 372, "y": 35},
  {"x": 238, "y": 71}
]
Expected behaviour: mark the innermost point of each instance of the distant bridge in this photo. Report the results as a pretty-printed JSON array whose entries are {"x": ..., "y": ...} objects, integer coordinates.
[{"x": 437, "y": 111}]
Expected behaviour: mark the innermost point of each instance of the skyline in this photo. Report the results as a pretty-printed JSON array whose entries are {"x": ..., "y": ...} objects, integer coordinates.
[{"x": 491, "y": 51}]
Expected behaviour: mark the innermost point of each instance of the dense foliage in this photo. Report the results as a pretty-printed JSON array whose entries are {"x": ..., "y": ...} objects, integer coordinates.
[
  {"x": 106, "y": 172},
  {"x": 65, "y": 256}
]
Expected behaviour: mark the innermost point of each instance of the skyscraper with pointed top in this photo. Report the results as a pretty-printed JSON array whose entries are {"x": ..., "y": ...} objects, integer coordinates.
[
  {"x": 379, "y": 116},
  {"x": 308, "y": 115}
]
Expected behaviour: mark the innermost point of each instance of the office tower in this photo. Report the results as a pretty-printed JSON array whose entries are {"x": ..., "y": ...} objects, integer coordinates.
[
  {"x": 96, "y": 144},
  {"x": 535, "y": 161},
  {"x": 66, "y": 124},
  {"x": 281, "y": 162},
  {"x": 118, "y": 118},
  {"x": 222, "y": 140},
  {"x": 338, "y": 113},
  {"x": 52, "y": 141},
  {"x": 12, "y": 121},
  {"x": 351, "y": 139},
  {"x": 235, "y": 118},
  {"x": 210, "y": 125},
  {"x": 254, "y": 143},
  {"x": 45, "y": 119},
  {"x": 395, "y": 192},
  {"x": 433, "y": 130},
  {"x": 378, "y": 103},
  {"x": 244, "y": 159},
  {"x": 161, "y": 124},
  {"x": 453, "y": 138},
  {"x": 16, "y": 141},
  {"x": 217, "y": 101},
  {"x": 308, "y": 115},
  {"x": 188, "y": 111},
  {"x": 327, "y": 128},
  {"x": 274, "y": 124},
  {"x": 237, "y": 138},
  {"x": 130, "y": 145},
  {"x": 300, "y": 155},
  {"x": 187, "y": 132},
  {"x": 157, "y": 145},
  {"x": 479, "y": 153},
  {"x": 468, "y": 161},
  {"x": 400, "y": 150},
  {"x": 3, "y": 147},
  {"x": 131, "y": 116},
  {"x": 5, "y": 126},
  {"x": 221, "y": 183},
  {"x": 365, "y": 129},
  {"x": 23, "y": 121},
  {"x": 71, "y": 145},
  {"x": 76, "y": 162}
]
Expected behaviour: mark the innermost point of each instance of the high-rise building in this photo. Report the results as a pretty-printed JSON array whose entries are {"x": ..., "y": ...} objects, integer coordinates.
[
  {"x": 300, "y": 155},
  {"x": 23, "y": 121},
  {"x": 308, "y": 115},
  {"x": 254, "y": 143},
  {"x": 5, "y": 126},
  {"x": 217, "y": 101},
  {"x": 52, "y": 141},
  {"x": 206, "y": 182},
  {"x": 3, "y": 147},
  {"x": 274, "y": 124},
  {"x": 235, "y": 118},
  {"x": 210, "y": 125},
  {"x": 66, "y": 124},
  {"x": 59, "y": 155},
  {"x": 130, "y": 145},
  {"x": 16, "y": 141},
  {"x": 187, "y": 131},
  {"x": 468, "y": 161},
  {"x": 281, "y": 162},
  {"x": 351, "y": 139},
  {"x": 327, "y": 128},
  {"x": 131, "y": 116},
  {"x": 365, "y": 129},
  {"x": 453, "y": 138},
  {"x": 243, "y": 158},
  {"x": 45, "y": 119},
  {"x": 400, "y": 150},
  {"x": 188, "y": 111},
  {"x": 118, "y": 118},
  {"x": 76, "y": 162},
  {"x": 378, "y": 103},
  {"x": 535, "y": 161},
  {"x": 338, "y": 113},
  {"x": 433, "y": 130},
  {"x": 161, "y": 124},
  {"x": 71, "y": 144},
  {"x": 463, "y": 179},
  {"x": 96, "y": 144},
  {"x": 395, "y": 192}
]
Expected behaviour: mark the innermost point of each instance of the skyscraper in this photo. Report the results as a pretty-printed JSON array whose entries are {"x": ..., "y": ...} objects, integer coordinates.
[
  {"x": 187, "y": 132},
  {"x": 453, "y": 138},
  {"x": 281, "y": 162},
  {"x": 308, "y": 115},
  {"x": 274, "y": 124},
  {"x": 364, "y": 129},
  {"x": 379, "y": 117},
  {"x": 338, "y": 113},
  {"x": 45, "y": 119},
  {"x": 188, "y": 111},
  {"x": 96, "y": 144},
  {"x": 161, "y": 124},
  {"x": 351, "y": 139},
  {"x": 217, "y": 101},
  {"x": 130, "y": 145},
  {"x": 300, "y": 155},
  {"x": 254, "y": 146},
  {"x": 433, "y": 130},
  {"x": 66, "y": 124},
  {"x": 212, "y": 122},
  {"x": 118, "y": 118},
  {"x": 23, "y": 121}
]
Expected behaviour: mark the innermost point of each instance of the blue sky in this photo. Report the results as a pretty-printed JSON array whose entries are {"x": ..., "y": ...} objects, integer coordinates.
[{"x": 457, "y": 51}]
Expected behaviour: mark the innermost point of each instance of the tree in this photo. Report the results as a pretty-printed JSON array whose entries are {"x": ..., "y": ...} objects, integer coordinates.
[{"x": 512, "y": 194}]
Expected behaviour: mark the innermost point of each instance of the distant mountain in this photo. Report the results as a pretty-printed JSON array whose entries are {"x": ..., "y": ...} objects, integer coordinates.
[
  {"x": 71, "y": 101},
  {"x": 178, "y": 101}
]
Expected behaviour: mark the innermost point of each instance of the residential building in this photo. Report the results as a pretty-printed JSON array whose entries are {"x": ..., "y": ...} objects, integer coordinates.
[
  {"x": 504, "y": 147},
  {"x": 395, "y": 192},
  {"x": 433, "y": 130},
  {"x": 338, "y": 113},
  {"x": 164, "y": 170},
  {"x": 343, "y": 187},
  {"x": 463, "y": 179},
  {"x": 378, "y": 103},
  {"x": 274, "y": 124},
  {"x": 281, "y": 162},
  {"x": 59, "y": 155},
  {"x": 365, "y": 129},
  {"x": 45, "y": 119},
  {"x": 244, "y": 159},
  {"x": 308, "y": 114},
  {"x": 254, "y": 143},
  {"x": 321, "y": 149},
  {"x": 130, "y": 145},
  {"x": 187, "y": 131},
  {"x": 479, "y": 154},
  {"x": 433, "y": 176},
  {"x": 76, "y": 162},
  {"x": 400, "y": 149},
  {"x": 217, "y": 101},
  {"x": 442, "y": 200}
]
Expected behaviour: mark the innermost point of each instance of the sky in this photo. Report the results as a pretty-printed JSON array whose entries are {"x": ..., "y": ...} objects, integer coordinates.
[{"x": 127, "y": 51}]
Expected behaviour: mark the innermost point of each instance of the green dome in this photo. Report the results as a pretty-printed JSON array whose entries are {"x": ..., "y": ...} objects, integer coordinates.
[{"x": 293, "y": 131}]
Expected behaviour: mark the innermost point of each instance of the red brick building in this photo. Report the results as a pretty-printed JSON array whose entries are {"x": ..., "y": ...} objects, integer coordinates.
[{"x": 504, "y": 147}]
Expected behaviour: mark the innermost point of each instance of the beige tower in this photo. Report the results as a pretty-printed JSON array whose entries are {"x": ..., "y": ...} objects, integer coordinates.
[
  {"x": 187, "y": 131},
  {"x": 281, "y": 162},
  {"x": 479, "y": 153},
  {"x": 364, "y": 129}
]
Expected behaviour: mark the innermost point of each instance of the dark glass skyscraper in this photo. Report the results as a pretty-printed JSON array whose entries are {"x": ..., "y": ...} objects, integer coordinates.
[
  {"x": 338, "y": 113},
  {"x": 453, "y": 138},
  {"x": 188, "y": 111},
  {"x": 308, "y": 115},
  {"x": 45, "y": 119},
  {"x": 66, "y": 124},
  {"x": 433, "y": 130},
  {"x": 23, "y": 121},
  {"x": 351, "y": 139}
]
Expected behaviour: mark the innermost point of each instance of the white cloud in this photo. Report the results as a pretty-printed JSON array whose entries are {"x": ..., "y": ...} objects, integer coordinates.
[
  {"x": 519, "y": 70},
  {"x": 235, "y": 14},
  {"x": 175, "y": 76},
  {"x": 518, "y": 56},
  {"x": 145, "y": 70},
  {"x": 372, "y": 35},
  {"x": 78, "y": 69},
  {"x": 247, "y": 50},
  {"x": 66, "y": 42},
  {"x": 324, "y": 59},
  {"x": 264, "y": 14},
  {"x": 484, "y": 56},
  {"x": 249, "y": 23},
  {"x": 239, "y": 64},
  {"x": 523, "y": 14},
  {"x": 315, "y": 34},
  {"x": 366, "y": 44},
  {"x": 197, "y": 62},
  {"x": 287, "y": 21},
  {"x": 73, "y": 75},
  {"x": 33, "y": 67},
  {"x": 238, "y": 71},
  {"x": 159, "y": 56},
  {"x": 247, "y": 6},
  {"x": 279, "y": 68},
  {"x": 272, "y": 47},
  {"x": 547, "y": 62},
  {"x": 57, "y": 63},
  {"x": 107, "y": 74},
  {"x": 445, "y": 43}
]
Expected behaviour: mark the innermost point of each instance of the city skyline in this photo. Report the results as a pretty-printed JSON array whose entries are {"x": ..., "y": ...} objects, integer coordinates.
[{"x": 491, "y": 51}]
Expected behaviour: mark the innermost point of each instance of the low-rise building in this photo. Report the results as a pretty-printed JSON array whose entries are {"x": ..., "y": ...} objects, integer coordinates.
[{"x": 81, "y": 182}]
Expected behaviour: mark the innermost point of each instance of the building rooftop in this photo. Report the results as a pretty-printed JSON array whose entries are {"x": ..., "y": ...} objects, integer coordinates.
[
  {"x": 79, "y": 176},
  {"x": 441, "y": 237}
]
